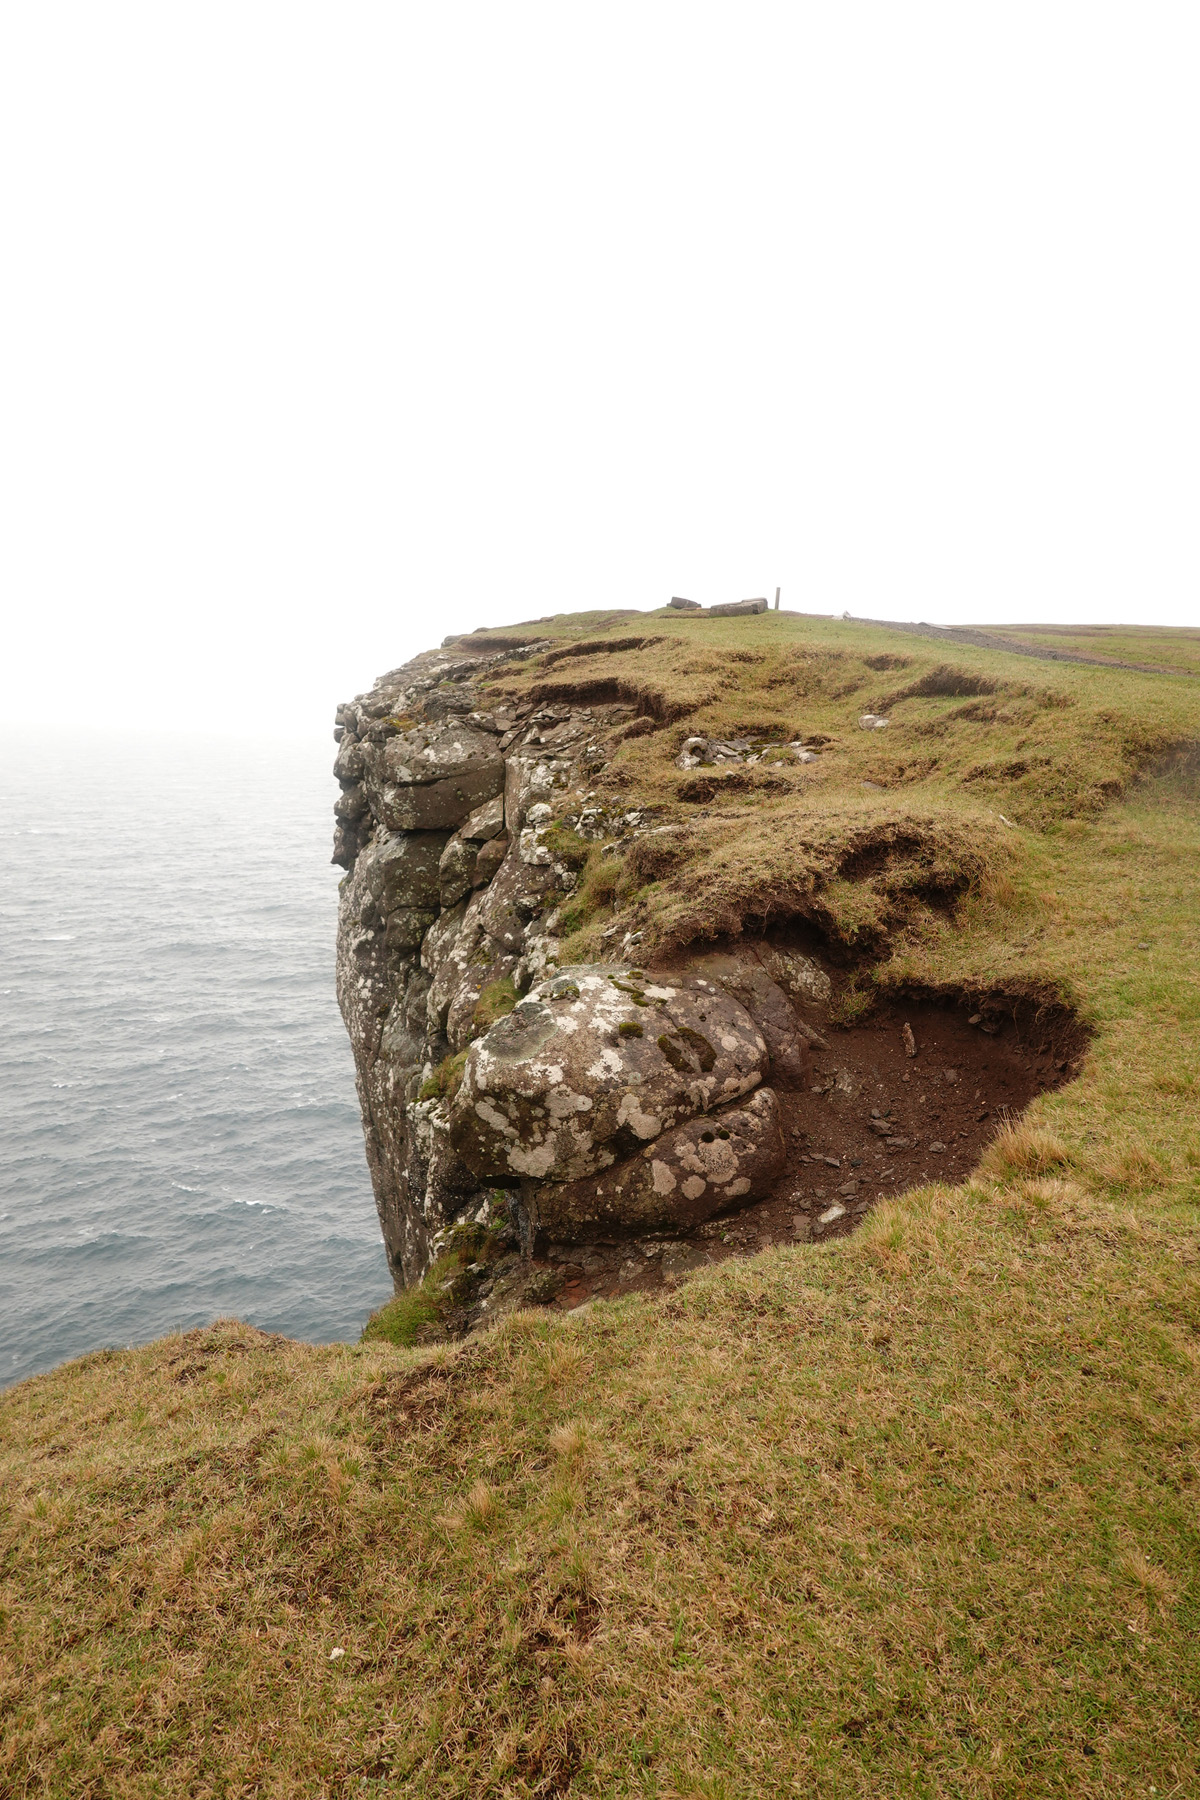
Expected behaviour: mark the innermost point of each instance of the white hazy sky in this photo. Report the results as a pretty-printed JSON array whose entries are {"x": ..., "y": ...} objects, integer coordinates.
[{"x": 326, "y": 330}]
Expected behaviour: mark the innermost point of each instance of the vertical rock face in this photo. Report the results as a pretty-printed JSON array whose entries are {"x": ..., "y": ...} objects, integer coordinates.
[
  {"x": 439, "y": 903},
  {"x": 604, "y": 1101}
]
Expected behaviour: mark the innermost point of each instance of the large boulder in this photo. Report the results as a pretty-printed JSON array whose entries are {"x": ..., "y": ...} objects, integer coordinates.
[
  {"x": 700, "y": 1168},
  {"x": 518, "y": 892},
  {"x": 433, "y": 776},
  {"x": 349, "y": 764},
  {"x": 595, "y": 1064}
]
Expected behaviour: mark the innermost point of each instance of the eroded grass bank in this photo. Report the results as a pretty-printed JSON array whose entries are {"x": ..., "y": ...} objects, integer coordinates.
[{"x": 914, "y": 1512}]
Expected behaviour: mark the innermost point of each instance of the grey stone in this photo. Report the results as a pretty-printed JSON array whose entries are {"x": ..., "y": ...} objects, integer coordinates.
[
  {"x": 798, "y": 975},
  {"x": 516, "y": 894},
  {"x": 531, "y": 777},
  {"x": 478, "y": 962},
  {"x": 403, "y": 870},
  {"x": 456, "y": 871},
  {"x": 433, "y": 777},
  {"x": 349, "y": 764},
  {"x": 435, "y": 805},
  {"x": 741, "y": 973},
  {"x": 461, "y": 866},
  {"x": 351, "y": 804},
  {"x": 682, "y": 1259},
  {"x": 437, "y": 1181},
  {"x": 406, "y": 927},
  {"x": 485, "y": 822},
  {"x": 685, "y": 1176},
  {"x": 735, "y": 607},
  {"x": 557, "y": 1090},
  {"x": 491, "y": 855}
]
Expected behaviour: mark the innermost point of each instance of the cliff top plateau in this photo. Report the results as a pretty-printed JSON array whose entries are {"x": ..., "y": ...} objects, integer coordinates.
[{"x": 778, "y": 1044}]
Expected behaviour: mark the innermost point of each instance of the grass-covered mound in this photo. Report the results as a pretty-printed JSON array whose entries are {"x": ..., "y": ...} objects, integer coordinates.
[{"x": 914, "y": 1512}]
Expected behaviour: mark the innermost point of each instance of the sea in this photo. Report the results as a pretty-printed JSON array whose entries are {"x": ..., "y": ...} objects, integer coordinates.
[{"x": 179, "y": 1133}]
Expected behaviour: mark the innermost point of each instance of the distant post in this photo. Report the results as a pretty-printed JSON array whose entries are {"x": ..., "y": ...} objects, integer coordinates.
[{"x": 776, "y": 599}]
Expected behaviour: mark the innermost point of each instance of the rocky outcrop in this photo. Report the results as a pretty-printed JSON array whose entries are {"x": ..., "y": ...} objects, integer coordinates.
[
  {"x": 576, "y": 1103},
  {"x": 675, "y": 1183},
  {"x": 594, "y": 1064}
]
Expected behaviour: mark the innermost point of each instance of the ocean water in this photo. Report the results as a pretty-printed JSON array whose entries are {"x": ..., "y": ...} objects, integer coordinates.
[{"x": 179, "y": 1134}]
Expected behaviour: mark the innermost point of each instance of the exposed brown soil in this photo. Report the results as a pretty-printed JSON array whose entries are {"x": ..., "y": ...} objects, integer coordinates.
[{"x": 875, "y": 1121}]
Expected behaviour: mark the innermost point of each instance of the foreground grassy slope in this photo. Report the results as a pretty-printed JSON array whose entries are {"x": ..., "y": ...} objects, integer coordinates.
[{"x": 914, "y": 1512}]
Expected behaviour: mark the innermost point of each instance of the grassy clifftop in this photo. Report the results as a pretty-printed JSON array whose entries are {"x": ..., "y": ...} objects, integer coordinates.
[{"x": 913, "y": 1512}]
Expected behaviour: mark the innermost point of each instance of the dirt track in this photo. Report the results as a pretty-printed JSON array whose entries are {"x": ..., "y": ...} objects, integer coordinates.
[{"x": 986, "y": 640}]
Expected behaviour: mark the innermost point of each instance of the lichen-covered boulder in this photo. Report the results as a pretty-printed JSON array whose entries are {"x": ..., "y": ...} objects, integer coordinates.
[
  {"x": 403, "y": 870},
  {"x": 741, "y": 973},
  {"x": 700, "y": 1168},
  {"x": 349, "y": 765},
  {"x": 595, "y": 1064},
  {"x": 395, "y": 883},
  {"x": 798, "y": 975},
  {"x": 517, "y": 893},
  {"x": 532, "y": 779},
  {"x": 433, "y": 776}
]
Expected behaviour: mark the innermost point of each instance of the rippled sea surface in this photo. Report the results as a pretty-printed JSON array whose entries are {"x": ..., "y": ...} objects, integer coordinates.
[{"x": 179, "y": 1135}]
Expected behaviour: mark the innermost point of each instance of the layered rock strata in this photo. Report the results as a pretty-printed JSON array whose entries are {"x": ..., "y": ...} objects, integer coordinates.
[{"x": 594, "y": 1102}]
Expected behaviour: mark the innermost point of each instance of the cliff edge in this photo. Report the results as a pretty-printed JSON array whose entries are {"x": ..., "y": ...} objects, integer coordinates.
[{"x": 618, "y": 938}]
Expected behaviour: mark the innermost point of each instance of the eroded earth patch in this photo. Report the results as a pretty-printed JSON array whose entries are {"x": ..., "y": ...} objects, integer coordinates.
[{"x": 859, "y": 1113}]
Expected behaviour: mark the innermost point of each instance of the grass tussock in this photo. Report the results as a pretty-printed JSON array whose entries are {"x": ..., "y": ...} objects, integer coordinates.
[
  {"x": 496, "y": 1000},
  {"x": 854, "y": 873},
  {"x": 446, "y": 1079},
  {"x": 1023, "y": 1148}
]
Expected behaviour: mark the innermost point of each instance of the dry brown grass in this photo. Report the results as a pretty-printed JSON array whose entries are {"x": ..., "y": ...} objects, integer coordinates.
[
  {"x": 1021, "y": 1147},
  {"x": 1134, "y": 1167}
]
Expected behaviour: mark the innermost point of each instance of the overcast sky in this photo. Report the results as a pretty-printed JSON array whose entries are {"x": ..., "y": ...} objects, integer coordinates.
[{"x": 328, "y": 329}]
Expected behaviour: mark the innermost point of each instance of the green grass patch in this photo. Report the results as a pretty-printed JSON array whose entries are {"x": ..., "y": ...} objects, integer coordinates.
[
  {"x": 446, "y": 1079},
  {"x": 497, "y": 999}
]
